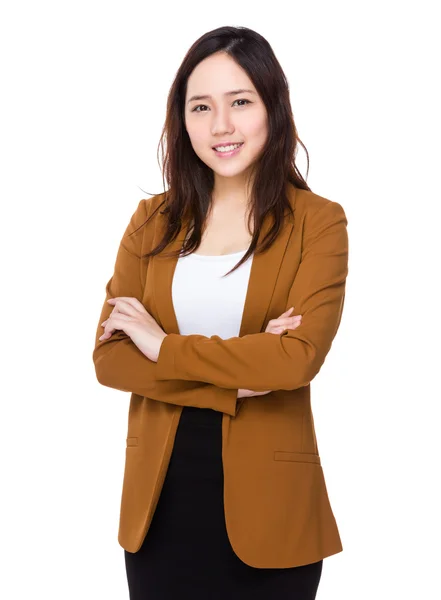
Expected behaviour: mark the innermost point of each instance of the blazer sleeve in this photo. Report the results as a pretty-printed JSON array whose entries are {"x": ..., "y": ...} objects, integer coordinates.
[
  {"x": 266, "y": 361},
  {"x": 120, "y": 364}
]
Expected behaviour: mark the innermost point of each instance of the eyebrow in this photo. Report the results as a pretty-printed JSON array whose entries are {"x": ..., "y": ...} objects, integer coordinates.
[{"x": 232, "y": 93}]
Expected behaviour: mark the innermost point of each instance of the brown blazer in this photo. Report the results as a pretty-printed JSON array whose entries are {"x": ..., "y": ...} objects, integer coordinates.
[{"x": 277, "y": 509}]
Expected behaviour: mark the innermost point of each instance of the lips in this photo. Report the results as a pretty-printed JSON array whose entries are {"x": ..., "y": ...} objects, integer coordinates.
[{"x": 226, "y": 144}]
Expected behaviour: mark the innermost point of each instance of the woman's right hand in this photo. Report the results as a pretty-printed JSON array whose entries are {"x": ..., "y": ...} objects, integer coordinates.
[{"x": 274, "y": 326}]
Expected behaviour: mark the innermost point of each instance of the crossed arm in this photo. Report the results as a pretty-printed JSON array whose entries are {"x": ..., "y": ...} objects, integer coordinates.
[
  {"x": 119, "y": 364},
  {"x": 292, "y": 359},
  {"x": 206, "y": 372}
]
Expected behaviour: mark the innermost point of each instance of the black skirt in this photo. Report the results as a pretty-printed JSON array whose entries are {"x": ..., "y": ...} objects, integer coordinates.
[{"x": 186, "y": 552}]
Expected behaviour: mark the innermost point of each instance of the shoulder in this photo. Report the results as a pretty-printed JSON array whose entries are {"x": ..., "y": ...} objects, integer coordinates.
[
  {"x": 141, "y": 220},
  {"x": 144, "y": 214},
  {"x": 316, "y": 218},
  {"x": 308, "y": 205}
]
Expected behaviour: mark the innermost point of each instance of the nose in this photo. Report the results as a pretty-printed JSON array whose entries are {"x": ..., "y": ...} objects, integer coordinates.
[{"x": 221, "y": 123}]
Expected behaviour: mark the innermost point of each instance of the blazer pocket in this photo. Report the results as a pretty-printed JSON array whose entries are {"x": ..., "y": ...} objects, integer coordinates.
[
  {"x": 296, "y": 457},
  {"x": 132, "y": 441}
]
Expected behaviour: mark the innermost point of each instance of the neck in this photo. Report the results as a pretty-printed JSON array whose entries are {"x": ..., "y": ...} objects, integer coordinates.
[{"x": 230, "y": 192}]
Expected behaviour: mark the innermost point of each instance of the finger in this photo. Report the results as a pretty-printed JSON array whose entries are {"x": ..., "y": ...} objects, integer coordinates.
[
  {"x": 121, "y": 306},
  {"x": 287, "y": 321},
  {"x": 279, "y": 327},
  {"x": 118, "y": 318},
  {"x": 139, "y": 306},
  {"x": 114, "y": 322},
  {"x": 286, "y": 312}
]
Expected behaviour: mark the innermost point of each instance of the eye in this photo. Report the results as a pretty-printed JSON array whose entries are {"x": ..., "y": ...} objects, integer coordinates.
[
  {"x": 199, "y": 105},
  {"x": 204, "y": 105},
  {"x": 242, "y": 100}
]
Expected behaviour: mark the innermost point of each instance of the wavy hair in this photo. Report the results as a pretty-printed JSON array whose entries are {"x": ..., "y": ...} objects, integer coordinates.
[{"x": 191, "y": 181}]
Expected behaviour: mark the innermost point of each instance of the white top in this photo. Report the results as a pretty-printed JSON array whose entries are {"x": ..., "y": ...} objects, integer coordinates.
[{"x": 204, "y": 302}]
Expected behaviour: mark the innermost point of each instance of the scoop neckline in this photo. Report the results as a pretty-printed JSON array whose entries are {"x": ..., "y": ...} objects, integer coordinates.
[{"x": 216, "y": 257}]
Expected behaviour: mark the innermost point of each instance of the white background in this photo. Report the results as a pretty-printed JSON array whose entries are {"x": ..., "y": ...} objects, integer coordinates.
[{"x": 84, "y": 87}]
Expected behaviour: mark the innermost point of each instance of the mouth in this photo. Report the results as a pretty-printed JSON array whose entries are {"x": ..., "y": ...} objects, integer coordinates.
[{"x": 230, "y": 150}]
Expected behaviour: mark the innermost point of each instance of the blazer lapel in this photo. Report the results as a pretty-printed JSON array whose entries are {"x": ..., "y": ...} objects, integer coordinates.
[{"x": 263, "y": 276}]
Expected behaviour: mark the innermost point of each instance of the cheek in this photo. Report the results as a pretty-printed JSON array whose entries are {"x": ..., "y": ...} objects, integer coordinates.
[
  {"x": 196, "y": 133},
  {"x": 255, "y": 130},
  {"x": 257, "y": 138}
]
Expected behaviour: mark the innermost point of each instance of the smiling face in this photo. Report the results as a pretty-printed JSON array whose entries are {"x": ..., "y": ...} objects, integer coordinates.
[{"x": 222, "y": 116}]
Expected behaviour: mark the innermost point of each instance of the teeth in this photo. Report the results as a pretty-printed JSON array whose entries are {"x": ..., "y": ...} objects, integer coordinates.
[{"x": 227, "y": 148}]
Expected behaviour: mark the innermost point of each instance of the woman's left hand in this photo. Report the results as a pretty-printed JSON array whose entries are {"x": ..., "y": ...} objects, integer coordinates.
[{"x": 130, "y": 315}]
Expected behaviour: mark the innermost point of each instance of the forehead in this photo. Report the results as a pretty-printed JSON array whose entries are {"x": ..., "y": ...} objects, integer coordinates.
[{"x": 217, "y": 74}]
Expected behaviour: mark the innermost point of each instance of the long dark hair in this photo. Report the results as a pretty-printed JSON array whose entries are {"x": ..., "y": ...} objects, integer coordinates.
[{"x": 191, "y": 181}]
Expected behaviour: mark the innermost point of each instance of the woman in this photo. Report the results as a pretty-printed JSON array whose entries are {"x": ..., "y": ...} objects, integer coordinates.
[{"x": 223, "y": 494}]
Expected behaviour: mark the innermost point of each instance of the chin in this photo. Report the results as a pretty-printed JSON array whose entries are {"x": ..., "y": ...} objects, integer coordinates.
[
  {"x": 228, "y": 169},
  {"x": 225, "y": 168},
  {"x": 230, "y": 174}
]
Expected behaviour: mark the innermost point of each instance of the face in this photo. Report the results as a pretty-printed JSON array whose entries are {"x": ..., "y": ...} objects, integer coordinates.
[{"x": 222, "y": 117}]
